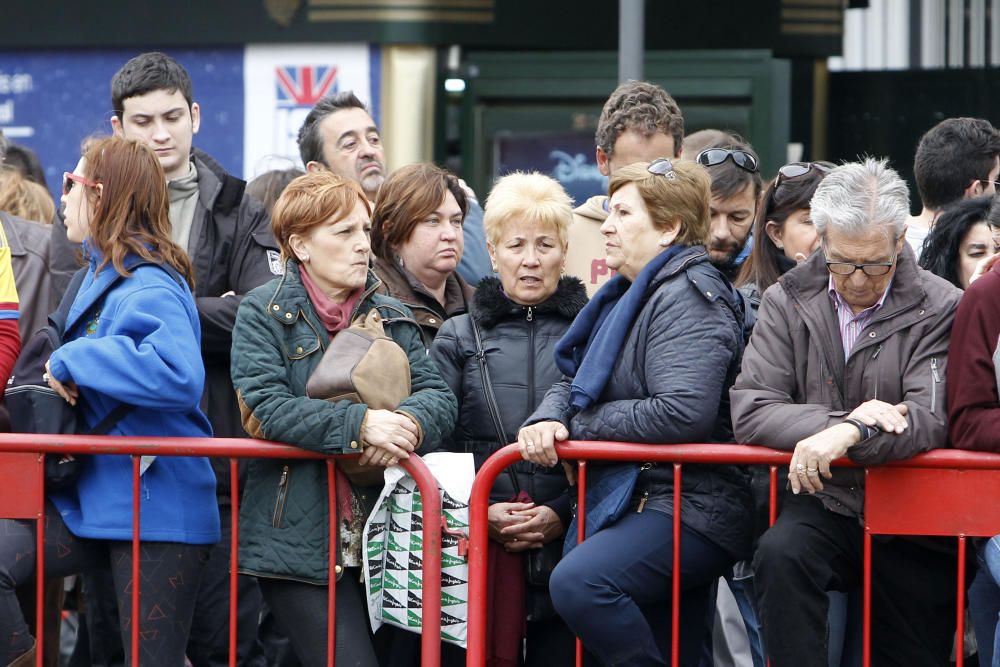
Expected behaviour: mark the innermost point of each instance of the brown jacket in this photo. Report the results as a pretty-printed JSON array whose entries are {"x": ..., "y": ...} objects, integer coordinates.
[
  {"x": 795, "y": 383},
  {"x": 398, "y": 283},
  {"x": 585, "y": 257}
]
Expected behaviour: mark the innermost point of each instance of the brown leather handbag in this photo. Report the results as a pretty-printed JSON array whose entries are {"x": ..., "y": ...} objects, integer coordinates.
[{"x": 362, "y": 365}]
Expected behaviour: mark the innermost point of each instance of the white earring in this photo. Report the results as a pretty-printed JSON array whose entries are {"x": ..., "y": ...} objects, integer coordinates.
[{"x": 664, "y": 243}]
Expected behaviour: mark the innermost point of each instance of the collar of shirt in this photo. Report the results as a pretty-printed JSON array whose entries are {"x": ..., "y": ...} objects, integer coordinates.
[{"x": 851, "y": 324}]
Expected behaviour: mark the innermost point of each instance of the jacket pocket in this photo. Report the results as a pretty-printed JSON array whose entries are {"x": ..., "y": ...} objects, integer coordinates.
[
  {"x": 279, "y": 501},
  {"x": 935, "y": 381}
]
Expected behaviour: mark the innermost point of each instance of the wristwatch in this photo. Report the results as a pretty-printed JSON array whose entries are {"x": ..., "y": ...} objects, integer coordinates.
[{"x": 866, "y": 430}]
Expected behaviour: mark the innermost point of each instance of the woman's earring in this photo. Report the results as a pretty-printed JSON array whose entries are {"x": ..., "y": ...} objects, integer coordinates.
[
  {"x": 399, "y": 260},
  {"x": 305, "y": 258},
  {"x": 664, "y": 243}
]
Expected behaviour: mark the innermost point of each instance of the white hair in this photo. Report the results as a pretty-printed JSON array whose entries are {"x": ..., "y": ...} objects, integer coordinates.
[{"x": 857, "y": 197}]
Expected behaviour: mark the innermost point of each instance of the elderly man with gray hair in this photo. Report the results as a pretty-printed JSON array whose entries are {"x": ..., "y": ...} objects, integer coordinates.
[{"x": 848, "y": 357}]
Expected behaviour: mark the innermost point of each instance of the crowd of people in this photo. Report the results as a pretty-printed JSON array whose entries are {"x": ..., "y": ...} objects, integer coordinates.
[{"x": 697, "y": 302}]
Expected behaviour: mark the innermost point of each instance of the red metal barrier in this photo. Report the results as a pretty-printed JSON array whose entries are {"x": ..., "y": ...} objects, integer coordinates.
[
  {"x": 953, "y": 493},
  {"x": 22, "y": 467}
]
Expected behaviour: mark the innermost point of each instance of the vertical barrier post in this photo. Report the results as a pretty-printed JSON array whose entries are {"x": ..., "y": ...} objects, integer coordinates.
[
  {"x": 331, "y": 600},
  {"x": 960, "y": 611},
  {"x": 772, "y": 512},
  {"x": 234, "y": 543},
  {"x": 675, "y": 594},
  {"x": 136, "y": 552},
  {"x": 866, "y": 623},
  {"x": 581, "y": 529},
  {"x": 40, "y": 571},
  {"x": 433, "y": 521}
]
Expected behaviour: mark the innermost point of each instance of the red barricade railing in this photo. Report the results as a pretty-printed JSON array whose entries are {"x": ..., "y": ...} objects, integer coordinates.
[
  {"x": 22, "y": 496},
  {"x": 943, "y": 492}
]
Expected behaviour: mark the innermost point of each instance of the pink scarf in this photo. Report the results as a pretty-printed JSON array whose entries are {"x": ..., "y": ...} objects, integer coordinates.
[{"x": 335, "y": 317}]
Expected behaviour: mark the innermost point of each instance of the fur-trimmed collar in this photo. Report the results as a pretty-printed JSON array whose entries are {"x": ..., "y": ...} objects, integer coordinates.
[{"x": 490, "y": 304}]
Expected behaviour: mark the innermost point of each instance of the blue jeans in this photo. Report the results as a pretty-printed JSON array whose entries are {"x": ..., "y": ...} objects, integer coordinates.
[
  {"x": 613, "y": 590},
  {"x": 984, "y": 602}
]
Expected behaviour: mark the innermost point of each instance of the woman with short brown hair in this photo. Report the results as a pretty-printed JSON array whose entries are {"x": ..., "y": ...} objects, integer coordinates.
[{"x": 417, "y": 242}]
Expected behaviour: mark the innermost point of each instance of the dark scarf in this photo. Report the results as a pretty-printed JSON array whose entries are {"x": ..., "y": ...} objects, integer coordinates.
[{"x": 588, "y": 350}]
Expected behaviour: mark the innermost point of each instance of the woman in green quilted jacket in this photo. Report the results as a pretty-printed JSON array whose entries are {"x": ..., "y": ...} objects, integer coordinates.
[{"x": 322, "y": 224}]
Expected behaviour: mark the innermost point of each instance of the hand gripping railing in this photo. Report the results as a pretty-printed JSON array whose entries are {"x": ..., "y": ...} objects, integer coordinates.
[
  {"x": 22, "y": 469},
  {"x": 943, "y": 492}
]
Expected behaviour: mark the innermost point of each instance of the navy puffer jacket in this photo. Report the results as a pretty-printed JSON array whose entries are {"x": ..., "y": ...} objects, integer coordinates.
[{"x": 670, "y": 385}]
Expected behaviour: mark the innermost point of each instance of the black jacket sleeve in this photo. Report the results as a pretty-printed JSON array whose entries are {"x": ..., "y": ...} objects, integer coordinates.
[{"x": 253, "y": 260}]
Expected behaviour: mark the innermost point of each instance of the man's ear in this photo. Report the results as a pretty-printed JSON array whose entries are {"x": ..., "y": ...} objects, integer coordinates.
[
  {"x": 603, "y": 162},
  {"x": 313, "y": 166},
  {"x": 195, "y": 117},
  {"x": 116, "y": 126}
]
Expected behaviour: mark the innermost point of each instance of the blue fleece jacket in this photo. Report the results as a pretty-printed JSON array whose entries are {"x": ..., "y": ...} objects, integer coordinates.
[{"x": 139, "y": 344}]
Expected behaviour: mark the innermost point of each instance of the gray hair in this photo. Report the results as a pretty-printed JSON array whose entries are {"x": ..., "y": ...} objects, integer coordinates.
[{"x": 857, "y": 197}]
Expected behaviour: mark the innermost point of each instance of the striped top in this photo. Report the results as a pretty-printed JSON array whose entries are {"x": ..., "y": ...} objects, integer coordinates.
[
  {"x": 852, "y": 325},
  {"x": 8, "y": 292}
]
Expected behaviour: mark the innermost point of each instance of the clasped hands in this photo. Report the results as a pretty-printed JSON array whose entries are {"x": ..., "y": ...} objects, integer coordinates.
[
  {"x": 523, "y": 526},
  {"x": 812, "y": 457},
  {"x": 388, "y": 438}
]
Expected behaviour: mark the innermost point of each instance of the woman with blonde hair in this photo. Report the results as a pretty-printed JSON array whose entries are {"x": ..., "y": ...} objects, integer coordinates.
[
  {"x": 25, "y": 199},
  {"x": 520, "y": 316}
]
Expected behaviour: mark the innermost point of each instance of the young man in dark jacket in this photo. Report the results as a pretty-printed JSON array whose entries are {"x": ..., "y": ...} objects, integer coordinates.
[
  {"x": 228, "y": 237},
  {"x": 848, "y": 358}
]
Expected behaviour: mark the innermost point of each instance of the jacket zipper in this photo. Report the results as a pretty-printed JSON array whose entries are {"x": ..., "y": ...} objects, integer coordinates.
[
  {"x": 531, "y": 360},
  {"x": 279, "y": 503},
  {"x": 645, "y": 494},
  {"x": 936, "y": 380}
]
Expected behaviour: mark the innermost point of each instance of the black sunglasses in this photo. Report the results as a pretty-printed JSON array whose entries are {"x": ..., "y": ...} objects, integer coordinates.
[
  {"x": 661, "y": 166},
  {"x": 799, "y": 169},
  {"x": 742, "y": 159}
]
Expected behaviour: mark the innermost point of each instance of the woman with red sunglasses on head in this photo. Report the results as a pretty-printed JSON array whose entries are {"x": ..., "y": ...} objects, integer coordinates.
[
  {"x": 783, "y": 232},
  {"x": 132, "y": 350}
]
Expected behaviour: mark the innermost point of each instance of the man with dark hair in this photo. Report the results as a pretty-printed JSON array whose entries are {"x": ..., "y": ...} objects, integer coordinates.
[
  {"x": 639, "y": 123},
  {"x": 956, "y": 159},
  {"x": 736, "y": 185},
  {"x": 340, "y": 135},
  {"x": 228, "y": 237}
]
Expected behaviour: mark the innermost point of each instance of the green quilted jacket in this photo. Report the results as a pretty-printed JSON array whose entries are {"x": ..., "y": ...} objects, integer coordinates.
[{"x": 277, "y": 342}]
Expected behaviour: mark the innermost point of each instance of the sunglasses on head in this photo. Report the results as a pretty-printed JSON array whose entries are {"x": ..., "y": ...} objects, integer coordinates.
[
  {"x": 795, "y": 170},
  {"x": 70, "y": 178},
  {"x": 661, "y": 166},
  {"x": 742, "y": 159}
]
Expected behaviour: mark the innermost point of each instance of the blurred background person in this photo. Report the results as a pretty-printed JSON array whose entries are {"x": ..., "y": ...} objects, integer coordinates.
[
  {"x": 417, "y": 242},
  {"x": 961, "y": 238},
  {"x": 267, "y": 187},
  {"x": 521, "y": 315},
  {"x": 783, "y": 233}
]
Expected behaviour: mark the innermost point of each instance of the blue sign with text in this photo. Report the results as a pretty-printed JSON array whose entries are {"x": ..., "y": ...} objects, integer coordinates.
[{"x": 50, "y": 101}]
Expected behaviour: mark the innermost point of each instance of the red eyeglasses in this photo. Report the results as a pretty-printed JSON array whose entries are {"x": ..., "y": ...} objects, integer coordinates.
[{"x": 70, "y": 178}]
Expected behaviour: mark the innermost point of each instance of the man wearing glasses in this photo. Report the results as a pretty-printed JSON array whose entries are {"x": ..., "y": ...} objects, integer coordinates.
[
  {"x": 957, "y": 159},
  {"x": 848, "y": 358}
]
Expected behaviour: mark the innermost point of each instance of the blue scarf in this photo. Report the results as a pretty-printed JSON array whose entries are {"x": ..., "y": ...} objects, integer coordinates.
[{"x": 588, "y": 350}]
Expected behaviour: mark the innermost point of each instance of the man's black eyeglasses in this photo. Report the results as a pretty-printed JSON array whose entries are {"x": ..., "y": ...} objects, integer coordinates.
[
  {"x": 795, "y": 170},
  {"x": 742, "y": 159},
  {"x": 662, "y": 167},
  {"x": 873, "y": 269}
]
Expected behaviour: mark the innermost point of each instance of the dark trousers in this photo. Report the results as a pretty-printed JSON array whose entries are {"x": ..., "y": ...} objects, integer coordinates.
[
  {"x": 208, "y": 645},
  {"x": 170, "y": 572},
  {"x": 811, "y": 550},
  {"x": 300, "y": 610},
  {"x": 614, "y": 589}
]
